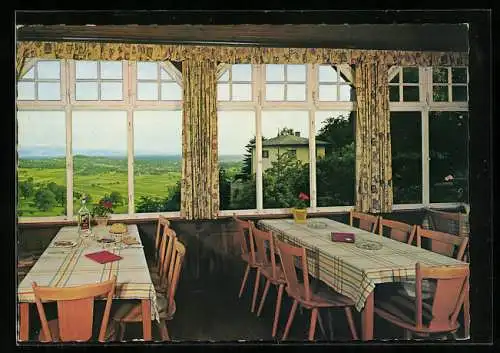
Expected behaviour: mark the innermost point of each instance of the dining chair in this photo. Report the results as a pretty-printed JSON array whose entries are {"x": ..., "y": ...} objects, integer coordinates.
[
  {"x": 302, "y": 294},
  {"x": 132, "y": 313},
  {"x": 437, "y": 316},
  {"x": 397, "y": 230},
  {"x": 162, "y": 223},
  {"x": 247, "y": 245},
  {"x": 75, "y": 311},
  {"x": 363, "y": 221},
  {"x": 267, "y": 267},
  {"x": 456, "y": 223},
  {"x": 166, "y": 247}
]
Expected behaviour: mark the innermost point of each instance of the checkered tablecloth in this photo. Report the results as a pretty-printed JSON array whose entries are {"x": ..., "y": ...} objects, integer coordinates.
[
  {"x": 68, "y": 267},
  {"x": 347, "y": 268}
]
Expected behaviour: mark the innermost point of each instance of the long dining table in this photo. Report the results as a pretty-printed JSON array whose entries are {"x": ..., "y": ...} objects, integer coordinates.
[
  {"x": 354, "y": 269},
  {"x": 68, "y": 266}
]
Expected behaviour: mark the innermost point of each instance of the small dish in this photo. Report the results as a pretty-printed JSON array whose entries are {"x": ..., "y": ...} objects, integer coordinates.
[
  {"x": 369, "y": 245},
  {"x": 63, "y": 244},
  {"x": 316, "y": 224},
  {"x": 106, "y": 240}
]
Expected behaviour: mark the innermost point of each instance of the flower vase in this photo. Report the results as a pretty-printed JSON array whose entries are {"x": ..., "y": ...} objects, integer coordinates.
[
  {"x": 299, "y": 215},
  {"x": 101, "y": 220}
]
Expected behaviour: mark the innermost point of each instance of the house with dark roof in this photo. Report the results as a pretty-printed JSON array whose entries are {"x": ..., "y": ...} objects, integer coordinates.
[{"x": 294, "y": 144}]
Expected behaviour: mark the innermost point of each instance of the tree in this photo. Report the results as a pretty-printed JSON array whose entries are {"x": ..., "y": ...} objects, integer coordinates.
[
  {"x": 59, "y": 192},
  {"x": 45, "y": 199},
  {"x": 26, "y": 188},
  {"x": 224, "y": 189},
  {"x": 285, "y": 131},
  {"x": 337, "y": 131},
  {"x": 116, "y": 198}
]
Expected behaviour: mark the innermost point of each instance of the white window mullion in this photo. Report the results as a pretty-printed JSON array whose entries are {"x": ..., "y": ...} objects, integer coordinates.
[
  {"x": 312, "y": 159},
  {"x": 258, "y": 91},
  {"x": 426, "y": 85},
  {"x": 66, "y": 82},
  {"x": 130, "y": 81}
]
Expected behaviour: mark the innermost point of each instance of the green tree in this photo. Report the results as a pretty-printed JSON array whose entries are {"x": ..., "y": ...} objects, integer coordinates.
[
  {"x": 59, "y": 192},
  {"x": 224, "y": 189},
  {"x": 116, "y": 198},
  {"x": 45, "y": 199},
  {"x": 337, "y": 131},
  {"x": 26, "y": 188}
]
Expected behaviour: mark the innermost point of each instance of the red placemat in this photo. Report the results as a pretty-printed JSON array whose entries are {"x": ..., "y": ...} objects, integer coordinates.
[{"x": 103, "y": 256}]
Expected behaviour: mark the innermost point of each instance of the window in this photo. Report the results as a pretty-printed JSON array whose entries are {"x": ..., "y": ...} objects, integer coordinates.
[
  {"x": 98, "y": 80},
  {"x": 265, "y": 154},
  {"x": 285, "y": 82},
  {"x": 157, "y": 81},
  {"x": 292, "y": 153},
  {"x": 449, "y": 84},
  {"x": 404, "y": 84},
  {"x": 333, "y": 85},
  {"x": 235, "y": 84},
  {"x": 42, "y": 82}
]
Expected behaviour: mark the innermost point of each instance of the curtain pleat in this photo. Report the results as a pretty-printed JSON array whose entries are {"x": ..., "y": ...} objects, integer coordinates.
[
  {"x": 200, "y": 173},
  {"x": 373, "y": 139}
]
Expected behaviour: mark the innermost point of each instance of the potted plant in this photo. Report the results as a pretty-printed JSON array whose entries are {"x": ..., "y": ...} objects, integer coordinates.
[
  {"x": 102, "y": 210},
  {"x": 300, "y": 209}
]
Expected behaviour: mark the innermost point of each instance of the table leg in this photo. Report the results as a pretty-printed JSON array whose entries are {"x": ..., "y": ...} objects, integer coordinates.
[
  {"x": 24, "y": 321},
  {"x": 146, "y": 319},
  {"x": 367, "y": 319}
]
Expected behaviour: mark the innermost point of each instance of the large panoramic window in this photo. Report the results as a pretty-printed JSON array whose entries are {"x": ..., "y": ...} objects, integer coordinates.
[{"x": 157, "y": 160}]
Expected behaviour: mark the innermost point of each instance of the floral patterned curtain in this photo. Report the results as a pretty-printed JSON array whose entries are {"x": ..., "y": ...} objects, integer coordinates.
[
  {"x": 373, "y": 139},
  {"x": 200, "y": 172}
]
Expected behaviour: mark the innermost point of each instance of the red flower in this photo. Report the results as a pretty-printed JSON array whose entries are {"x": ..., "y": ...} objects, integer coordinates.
[
  {"x": 303, "y": 196},
  {"x": 107, "y": 204}
]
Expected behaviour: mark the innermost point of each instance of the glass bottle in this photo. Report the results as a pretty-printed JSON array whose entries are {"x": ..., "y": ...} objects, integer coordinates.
[{"x": 84, "y": 218}]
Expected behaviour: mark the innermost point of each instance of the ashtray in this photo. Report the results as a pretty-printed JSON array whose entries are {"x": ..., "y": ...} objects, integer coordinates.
[
  {"x": 369, "y": 245},
  {"x": 316, "y": 224}
]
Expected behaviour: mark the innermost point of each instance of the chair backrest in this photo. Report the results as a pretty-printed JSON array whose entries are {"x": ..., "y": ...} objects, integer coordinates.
[
  {"x": 443, "y": 243},
  {"x": 174, "y": 273},
  {"x": 288, "y": 255},
  {"x": 168, "y": 243},
  {"x": 456, "y": 223},
  {"x": 264, "y": 241},
  {"x": 364, "y": 221},
  {"x": 160, "y": 228},
  {"x": 244, "y": 231},
  {"x": 396, "y": 230},
  {"x": 75, "y": 309},
  {"x": 451, "y": 286}
]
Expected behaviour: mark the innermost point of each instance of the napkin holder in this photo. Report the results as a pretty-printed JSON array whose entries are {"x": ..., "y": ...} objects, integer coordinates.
[{"x": 343, "y": 237}]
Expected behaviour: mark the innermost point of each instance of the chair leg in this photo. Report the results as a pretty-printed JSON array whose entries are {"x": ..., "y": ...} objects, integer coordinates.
[
  {"x": 350, "y": 321},
  {"x": 122, "y": 331},
  {"x": 255, "y": 290},
  {"x": 244, "y": 281},
  {"x": 264, "y": 295},
  {"x": 278, "y": 308},
  {"x": 312, "y": 327},
  {"x": 290, "y": 319},
  {"x": 163, "y": 331},
  {"x": 467, "y": 316}
]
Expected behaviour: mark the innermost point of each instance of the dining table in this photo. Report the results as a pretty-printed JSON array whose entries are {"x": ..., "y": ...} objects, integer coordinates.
[
  {"x": 64, "y": 264},
  {"x": 354, "y": 268}
]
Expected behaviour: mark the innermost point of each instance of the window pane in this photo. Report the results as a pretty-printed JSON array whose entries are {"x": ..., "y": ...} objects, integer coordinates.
[
  {"x": 410, "y": 74},
  {"x": 49, "y": 91},
  {"x": 448, "y": 150},
  {"x": 242, "y": 72},
  {"x": 275, "y": 72},
  {"x": 296, "y": 92},
  {"x": 410, "y": 94},
  {"x": 439, "y": 75},
  {"x": 25, "y": 90},
  {"x": 41, "y": 171},
  {"x": 49, "y": 70},
  {"x": 335, "y": 156},
  {"x": 242, "y": 92},
  {"x": 459, "y": 93},
  {"x": 112, "y": 91},
  {"x": 406, "y": 139},
  {"x": 394, "y": 93},
  {"x": 223, "y": 92},
  {"x": 30, "y": 75},
  {"x": 147, "y": 71},
  {"x": 111, "y": 70},
  {"x": 328, "y": 93},
  {"x": 86, "y": 91},
  {"x": 275, "y": 92},
  {"x": 171, "y": 91},
  {"x": 284, "y": 176},
  {"x": 225, "y": 76},
  {"x": 459, "y": 75},
  {"x": 440, "y": 93},
  {"x": 164, "y": 75},
  {"x": 236, "y": 160},
  {"x": 296, "y": 73},
  {"x": 395, "y": 79},
  {"x": 327, "y": 74},
  {"x": 345, "y": 93},
  {"x": 86, "y": 69},
  {"x": 100, "y": 157},
  {"x": 157, "y": 160},
  {"x": 147, "y": 91}
]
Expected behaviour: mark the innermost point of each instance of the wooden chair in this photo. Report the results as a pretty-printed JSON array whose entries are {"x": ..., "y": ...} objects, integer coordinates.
[
  {"x": 75, "y": 311},
  {"x": 456, "y": 223},
  {"x": 132, "y": 313},
  {"x": 437, "y": 316},
  {"x": 396, "y": 230},
  {"x": 266, "y": 265},
  {"x": 160, "y": 230},
  {"x": 166, "y": 247},
  {"x": 365, "y": 221},
  {"x": 244, "y": 233},
  {"x": 301, "y": 292}
]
